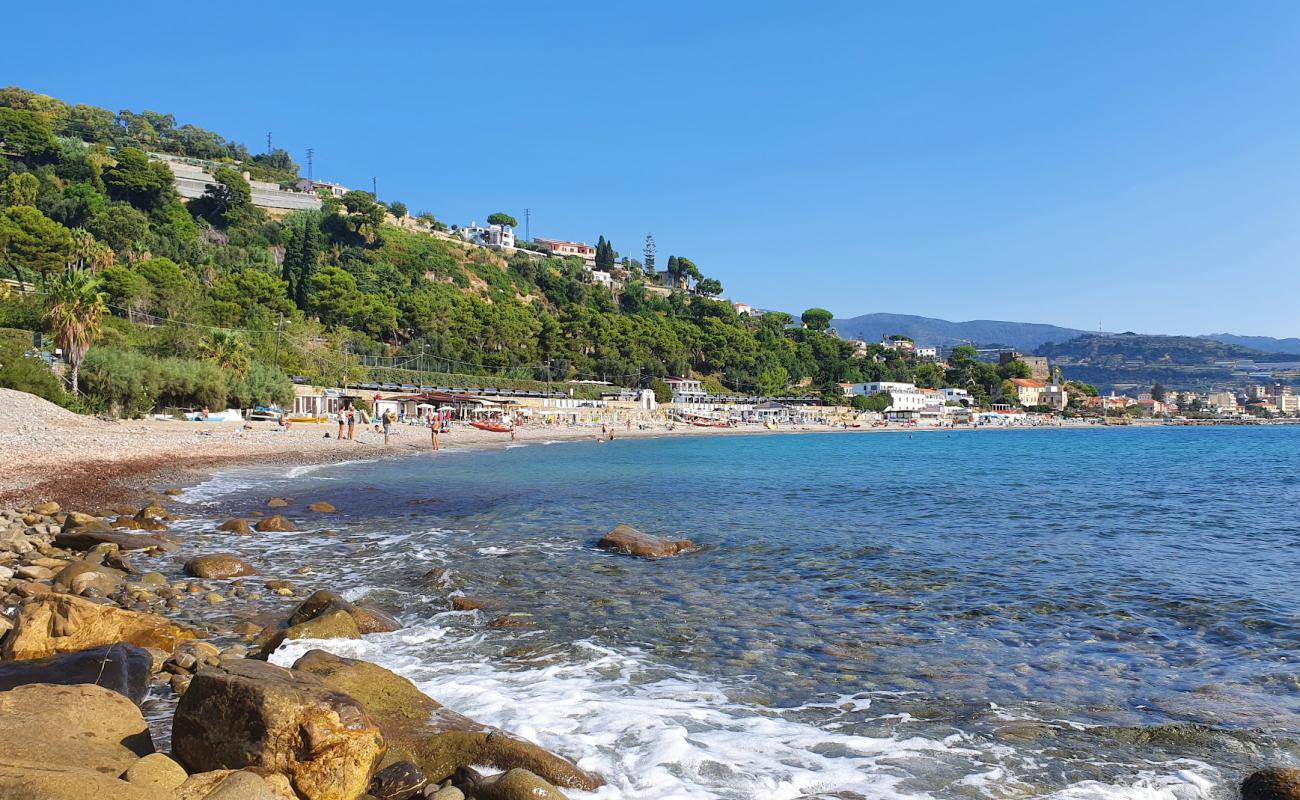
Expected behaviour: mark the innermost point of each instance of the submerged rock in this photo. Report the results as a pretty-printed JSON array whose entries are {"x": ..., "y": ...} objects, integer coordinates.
[
  {"x": 421, "y": 730},
  {"x": 369, "y": 620},
  {"x": 275, "y": 524},
  {"x": 322, "y": 507},
  {"x": 277, "y": 502},
  {"x": 626, "y": 539},
  {"x": 122, "y": 668},
  {"x": 246, "y": 713},
  {"x": 236, "y": 525},
  {"x": 58, "y": 623},
  {"x": 218, "y": 566}
]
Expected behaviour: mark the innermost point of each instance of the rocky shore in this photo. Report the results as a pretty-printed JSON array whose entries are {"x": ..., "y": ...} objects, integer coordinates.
[{"x": 101, "y": 633}]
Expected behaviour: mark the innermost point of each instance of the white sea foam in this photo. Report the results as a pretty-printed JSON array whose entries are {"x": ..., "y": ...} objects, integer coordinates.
[
  {"x": 682, "y": 738},
  {"x": 494, "y": 551}
]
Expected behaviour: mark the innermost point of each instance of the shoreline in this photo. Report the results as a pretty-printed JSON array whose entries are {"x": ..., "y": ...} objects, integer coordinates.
[{"x": 87, "y": 462}]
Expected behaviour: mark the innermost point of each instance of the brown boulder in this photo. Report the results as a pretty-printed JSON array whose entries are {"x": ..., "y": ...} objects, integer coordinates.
[
  {"x": 421, "y": 730},
  {"x": 236, "y": 525},
  {"x": 59, "y": 623},
  {"x": 277, "y": 502},
  {"x": 217, "y": 566},
  {"x": 1275, "y": 783},
  {"x": 276, "y": 524},
  {"x": 134, "y": 524},
  {"x": 246, "y": 713},
  {"x": 322, "y": 507},
  {"x": 46, "y": 509},
  {"x": 156, "y": 771},
  {"x": 54, "y": 738},
  {"x": 399, "y": 781},
  {"x": 626, "y": 539},
  {"x": 79, "y": 575}
]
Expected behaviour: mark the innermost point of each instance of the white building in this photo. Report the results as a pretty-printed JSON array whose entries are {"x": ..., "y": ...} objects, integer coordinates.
[
  {"x": 927, "y": 353},
  {"x": 489, "y": 236},
  {"x": 686, "y": 390},
  {"x": 955, "y": 396},
  {"x": 904, "y": 396},
  {"x": 335, "y": 189}
]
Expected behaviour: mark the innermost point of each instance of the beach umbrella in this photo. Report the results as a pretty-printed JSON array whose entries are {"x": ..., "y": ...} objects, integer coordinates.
[{"x": 424, "y": 405}]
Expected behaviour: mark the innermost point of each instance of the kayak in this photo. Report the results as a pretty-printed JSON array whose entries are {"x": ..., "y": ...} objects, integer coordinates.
[
  {"x": 491, "y": 426},
  {"x": 307, "y": 419}
]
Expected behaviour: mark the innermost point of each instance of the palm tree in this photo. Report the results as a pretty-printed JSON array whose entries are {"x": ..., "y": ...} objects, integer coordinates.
[
  {"x": 74, "y": 311},
  {"x": 87, "y": 252},
  {"x": 229, "y": 350}
]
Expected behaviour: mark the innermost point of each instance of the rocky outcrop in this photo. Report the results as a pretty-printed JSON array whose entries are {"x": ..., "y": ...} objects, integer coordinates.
[
  {"x": 325, "y": 615},
  {"x": 1276, "y": 783},
  {"x": 218, "y": 566},
  {"x": 70, "y": 743},
  {"x": 436, "y": 739},
  {"x": 52, "y": 623},
  {"x": 515, "y": 784},
  {"x": 246, "y": 713},
  {"x": 626, "y": 539},
  {"x": 275, "y": 524},
  {"x": 85, "y": 538},
  {"x": 123, "y": 668},
  {"x": 369, "y": 620}
]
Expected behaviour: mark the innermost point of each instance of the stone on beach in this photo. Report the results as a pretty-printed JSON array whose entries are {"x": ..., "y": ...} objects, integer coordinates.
[
  {"x": 277, "y": 502},
  {"x": 276, "y": 524},
  {"x": 156, "y": 771},
  {"x": 369, "y": 620},
  {"x": 88, "y": 538},
  {"x": 326, "y": 615},
  {"x": 58, "y": 623},
  {"x": 217, "y": 566},
  {"x": 236, "y": 525},
  {"x": 70, "y": 743},
  {"x": 438, "y": 740},
  {"x": 79, "y": 575},
  {"x": 398, "y": 781},
  {"x": 246, "y": 713},
  {"x": 123, "y": 668},
  {"x": 321, "y": 507},
  {"x": 230, "y": 784},
  {"x": 626, "y": 539},
  {"x": 515, "y": 784}
]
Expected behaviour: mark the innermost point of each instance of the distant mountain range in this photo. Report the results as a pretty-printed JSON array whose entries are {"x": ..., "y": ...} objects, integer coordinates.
[{"x": 1024, "y": 336}]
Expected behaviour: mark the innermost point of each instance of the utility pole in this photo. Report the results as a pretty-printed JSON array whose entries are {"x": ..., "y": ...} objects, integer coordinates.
[
  {"x": 528, "y": 225},
  {"x": 268, "y": 142},
  {"x": 279, "y": 326},
  {"x": 548, "y": 377},
  {"x": 374, "y": 186},
  {"x": 310, "y": 156}
]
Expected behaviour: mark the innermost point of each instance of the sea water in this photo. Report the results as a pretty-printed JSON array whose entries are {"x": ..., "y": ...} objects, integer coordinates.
[{"x": 1071, "y": 613}]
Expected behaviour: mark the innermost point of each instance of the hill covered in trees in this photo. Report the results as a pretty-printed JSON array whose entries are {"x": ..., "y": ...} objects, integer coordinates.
[
  {"x": 929, "y": 331},
  {"x": 214, "y": 301},
  {"x": 1134, "y": 348}
]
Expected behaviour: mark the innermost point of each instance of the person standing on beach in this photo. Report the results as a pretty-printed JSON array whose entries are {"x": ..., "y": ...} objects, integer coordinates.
[
  {"x": 387, "y": 422},
  {"x": 433, "y": 433},
  {"x": 352, "y": 424},
  {"x": 340, "y": 436}
]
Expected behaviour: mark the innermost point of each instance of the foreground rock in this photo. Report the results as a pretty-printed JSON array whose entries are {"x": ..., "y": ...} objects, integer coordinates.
[
  {"x": 246, "y": 713},
  {"x": 50, "y": 623},
  {"x": 437, "y": 740},
  {"x": 369, "y": 620},
  {"x": 70, "y": 743},
  {"x": 236, "y": 525},
  {"x": 626, "y": 539},
  {"x": 399, "y": 781},
  {"x": 122, "y": 668},
  {"x": 218, "y": 566},
  {"x": 1276, "y": 783},
  {"x": 516, "y": 784},
  {"x": 87, "y": 538}
]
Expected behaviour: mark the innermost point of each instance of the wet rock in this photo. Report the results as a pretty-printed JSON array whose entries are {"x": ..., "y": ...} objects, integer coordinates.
[
  {"x": 1177, "y": 736},
  {"x": 516, "y": 621},
  {"x": 236, "y": 525},
  {"x": 76, "y": 519},
  {"x": 122, "y": 668},
  {"x": 277, "y": 502},
  {"x": 332, "y": 623},
  {"x": 135, "y": 524},
  {"x": 87, "y": 538},
  {"x": 57, "y": 739},
  {"x": 1275, "y": 783},
  {"x": 369, "y": 620},
  {"x": 172, "y": 491},
  {"x": 515, "y": 784},
  {"x": 438, "y": 740},
  {"x": 275, "y": 524},
  {"x": 246, "y": 713},
  {"x": 217, "y": 566},
  {"x": 156, "y": 771},
  {"x": 626, "y": 539},
  {"x": 281, "y": 587},
  {"x": 322, "y": 507},
  {"x": 58, "y": 623},
  {"x": 462, "y": 602},
  {"x": 400, "y": 781},
  {"x": 46, "y": 509}
]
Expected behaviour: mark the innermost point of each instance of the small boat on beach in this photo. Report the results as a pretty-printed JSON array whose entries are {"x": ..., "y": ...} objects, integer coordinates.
[{"x": 492, "y": 426}]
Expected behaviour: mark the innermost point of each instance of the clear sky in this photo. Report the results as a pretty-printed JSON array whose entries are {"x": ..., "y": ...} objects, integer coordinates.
[{"x": 1133, "y": 165}]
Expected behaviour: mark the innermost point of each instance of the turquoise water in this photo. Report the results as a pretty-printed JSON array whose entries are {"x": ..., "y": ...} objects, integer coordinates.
[{"x": 974, "y": 614}]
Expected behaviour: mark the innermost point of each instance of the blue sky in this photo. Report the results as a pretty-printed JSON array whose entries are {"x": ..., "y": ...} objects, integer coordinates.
[{"x": 1129, "y": 165}]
